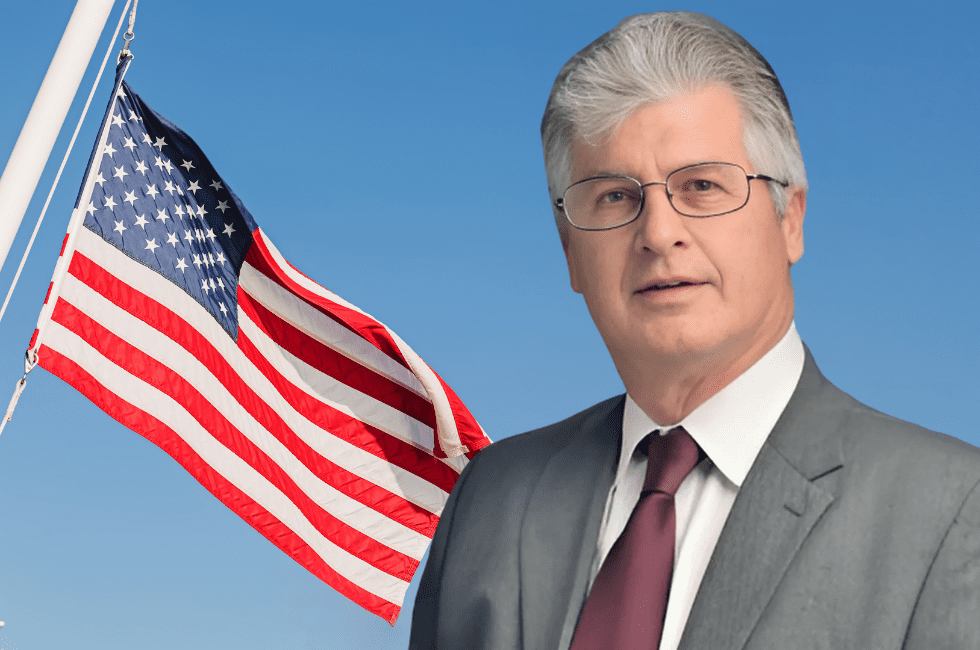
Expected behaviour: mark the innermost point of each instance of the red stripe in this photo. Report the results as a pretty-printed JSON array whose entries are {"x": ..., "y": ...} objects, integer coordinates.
[
  {"x": 64, "y": 242},
  {"x": 255, "y": 515},
  {"x": 332, "y": 363},
  {"x": 364, "y": 326},
  {"x": 362, "y": 490},
  {"x": 371, "y": 439},
  {"x": 173, "y": 384}
]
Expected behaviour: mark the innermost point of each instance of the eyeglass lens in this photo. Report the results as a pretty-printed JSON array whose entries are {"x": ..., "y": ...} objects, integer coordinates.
[{"x": 695, "y": 191}]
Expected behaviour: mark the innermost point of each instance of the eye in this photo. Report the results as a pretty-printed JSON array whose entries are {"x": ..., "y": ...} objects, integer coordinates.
[
  {"x": 698, "y": 185},
  {"x": 615, "y": 196}
]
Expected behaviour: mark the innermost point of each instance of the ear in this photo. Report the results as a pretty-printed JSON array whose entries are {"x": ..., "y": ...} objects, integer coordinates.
[
  {"x": 569, "y": 254},
  {"x": 792, "y": 223}
]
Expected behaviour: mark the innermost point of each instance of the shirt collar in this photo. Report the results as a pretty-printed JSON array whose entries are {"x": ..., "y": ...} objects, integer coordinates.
[{"x": 732, "y": 425}]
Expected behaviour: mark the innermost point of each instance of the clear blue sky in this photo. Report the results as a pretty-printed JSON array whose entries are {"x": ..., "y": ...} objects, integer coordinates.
[{"x": 391, "y": 152}]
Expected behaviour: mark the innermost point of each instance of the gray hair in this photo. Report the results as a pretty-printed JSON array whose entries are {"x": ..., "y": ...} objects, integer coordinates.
[{"x": 650, "y": 58}]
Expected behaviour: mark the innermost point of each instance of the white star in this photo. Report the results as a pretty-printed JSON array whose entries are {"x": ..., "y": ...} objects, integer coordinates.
[
  {"x": 180, "y": 191},
  {"x": 222, "y": 205},
  {"x": 193, "y": 187},
  {"x": 134, "y": 116},
  {"x": 221, "y": 258},
  {"x": 119, "y": 227},
  {"x": 147, "y": 139},
  {"x": 211, "y": 234},
  {"x": 179, "y": 210},
  {"x": 172, "y": 239},
  {"x": 228, "y": 229},
  {"x": 201, "y": 211},
  {"x": 120, "y": 93},
  {"x": 210, "y": 259},
  {"x": 213, "y": 286},
  {"x": 169, "y": 187},
  {"x": 217, "y": 186},
  {"x": 100, "y": 179},
  {"x": 121, "y": 173},
  {"x": 189, "y": 236},
  {"x": 200, "y": 235},
  {"x": 168, "y": 166},
  {"x": 204, "y": 285},
  {"x": 159, "y": 162},
  {"x": 162, "y": 215},
  {"x": 181, "y": 265},
  {"x": 110, "y": 202},
  {"x": 131, "y": 197},
  {"x": 116, "y": 120},
  {"x": 90, "y": 209},
  {"x": 141, "y": 167},
  {"x": 197, "y": 261},
  {"x": 151, "y": 191},
  {"x": 160, "y": 144},
  {"x": 130, "y": 144},
  {"x": 109, "y": 150},
  {"x": 151, "y": 245},
  {"x": 188, "y": 165},
  {"x": 141, "y": 221},
  {"x": 221, "y": 284},
  {"x": 221, "y": 306}
]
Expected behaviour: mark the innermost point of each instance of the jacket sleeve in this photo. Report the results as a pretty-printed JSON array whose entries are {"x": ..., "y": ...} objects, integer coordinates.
[
  {"x": 947, "y": 613},
  {"x": 425, "y": 616}
]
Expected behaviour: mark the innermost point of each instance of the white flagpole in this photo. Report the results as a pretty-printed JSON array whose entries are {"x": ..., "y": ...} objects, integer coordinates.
[{"x": 37, "y": 137}]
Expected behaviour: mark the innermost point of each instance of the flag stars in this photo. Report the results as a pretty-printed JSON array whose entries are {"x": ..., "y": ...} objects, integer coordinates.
[
  {"x": 110, "y": 202},
  {"x": 181, "y": 265},
  {"x": 220, "y": 258},
  {"x": 130, "y": 197},
  {"x": 130, "y": 144},
  {"x": 162, "y": 215},
  {"x": 193, "y": 188},
  {"x": 217, "y": 186},
  {"x": 189, "y": 236},
  {"x": 100, "y": 179},
  {"x": 200, "y": 235},
  {"x": 121, "y": 172},
  {"x": 141, "y": 167},
  {"x": 222, "y": 205},
  {"x": 188, "y": 165},
  {"x": 169, "y": 187},
  {"x": 152, "y": 245},
  {"x": 213, "y": 285},
  {"x": 141, "y": 221},
  {"x": 134, "y": 117},
  {"x": 147, "y": 139},
  {"x": 197, "y": 261},
  {"x": 160, "y": 144},
  {"x": 211, "y": 235},
  {"x": 151, "y": 191},
  {"x": 120, "y": 93},
  {"x": 228, "y": 230},
  {"x": 120, "y": 227},
  {"x": 179, "y": 210},
  {"x": 90, "y": 209},
  {"x": 109, "y": 149},
  {"x": 221, "y": 284},
  {"x": 204, "y": 286},
  {"x": 224, "y": 310},
  {"x": 116, "y": 120},
  {"x": 201, "y": 211}
]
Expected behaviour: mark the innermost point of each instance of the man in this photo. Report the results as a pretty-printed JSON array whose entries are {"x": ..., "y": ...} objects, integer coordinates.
[{"x": 802, "y": 519}]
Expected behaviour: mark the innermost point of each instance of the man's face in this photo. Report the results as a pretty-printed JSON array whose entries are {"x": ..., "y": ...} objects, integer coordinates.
[{"x": 737, "y": 298}]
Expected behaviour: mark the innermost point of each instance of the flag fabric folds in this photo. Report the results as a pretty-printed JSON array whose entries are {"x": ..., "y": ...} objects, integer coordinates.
[{"x": 174, "y": 313}]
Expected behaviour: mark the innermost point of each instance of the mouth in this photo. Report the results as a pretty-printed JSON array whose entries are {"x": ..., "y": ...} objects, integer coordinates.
[{"x": 670, "y": 285}]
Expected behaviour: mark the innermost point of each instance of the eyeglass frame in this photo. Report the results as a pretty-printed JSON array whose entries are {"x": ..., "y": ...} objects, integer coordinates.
[{"x": 560, "y": 201}]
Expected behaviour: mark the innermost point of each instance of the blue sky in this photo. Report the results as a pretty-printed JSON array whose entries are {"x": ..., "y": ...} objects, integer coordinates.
[{"x": 391, "y": 152}]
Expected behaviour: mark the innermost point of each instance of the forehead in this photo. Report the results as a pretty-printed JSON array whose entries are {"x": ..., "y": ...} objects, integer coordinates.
[{"x": 703, "y": 125}]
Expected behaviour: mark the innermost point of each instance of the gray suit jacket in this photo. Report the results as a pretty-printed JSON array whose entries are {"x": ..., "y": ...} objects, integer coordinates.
[{"x": 852, "y": 530}]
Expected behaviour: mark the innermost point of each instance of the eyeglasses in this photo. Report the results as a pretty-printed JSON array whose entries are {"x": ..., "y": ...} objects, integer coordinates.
[{"x": 701, "y": 190}]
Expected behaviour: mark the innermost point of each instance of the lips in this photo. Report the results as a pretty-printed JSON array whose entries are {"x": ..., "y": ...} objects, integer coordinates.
[{"x": 665, "y": 285}]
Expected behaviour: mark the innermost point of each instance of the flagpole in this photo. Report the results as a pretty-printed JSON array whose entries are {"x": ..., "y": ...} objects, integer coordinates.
[{"x": 47, "y": 114}]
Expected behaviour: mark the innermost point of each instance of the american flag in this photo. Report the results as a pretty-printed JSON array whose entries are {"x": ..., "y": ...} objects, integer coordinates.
[{"x": 175, "y": 314}]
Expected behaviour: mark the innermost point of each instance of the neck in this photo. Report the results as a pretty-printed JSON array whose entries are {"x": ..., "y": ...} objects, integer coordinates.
[{"x": 668, "y": 390}]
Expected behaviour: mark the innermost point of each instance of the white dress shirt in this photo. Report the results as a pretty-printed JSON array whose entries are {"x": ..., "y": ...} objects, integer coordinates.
[{"x": 730, "y": 427}]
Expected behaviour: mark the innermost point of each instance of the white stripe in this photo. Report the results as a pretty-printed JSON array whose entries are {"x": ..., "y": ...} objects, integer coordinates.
[
  {"x": 161, "y": 406},
  {"x": 335, "y": 394},
  {"x": 449, "y": 438},
  {"x": 320, "y": 327},
  {"x": 349, "y": 456},
  {"x": 160, "y": 347}
]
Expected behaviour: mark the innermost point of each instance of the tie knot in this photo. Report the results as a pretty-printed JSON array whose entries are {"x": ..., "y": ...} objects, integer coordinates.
[{"x": 670, "y": 457}]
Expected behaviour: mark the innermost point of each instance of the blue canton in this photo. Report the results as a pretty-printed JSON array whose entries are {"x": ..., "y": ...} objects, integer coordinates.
[{"x": 158, "y": 199}]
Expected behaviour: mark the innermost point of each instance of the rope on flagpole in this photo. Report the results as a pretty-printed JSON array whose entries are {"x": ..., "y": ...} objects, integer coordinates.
[
  {"x": 129, "y": 35},
  {"x": 30, "y": 361}
]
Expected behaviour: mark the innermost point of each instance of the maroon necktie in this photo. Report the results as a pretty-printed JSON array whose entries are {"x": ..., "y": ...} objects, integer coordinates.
[{"x": 626, "y": 606}]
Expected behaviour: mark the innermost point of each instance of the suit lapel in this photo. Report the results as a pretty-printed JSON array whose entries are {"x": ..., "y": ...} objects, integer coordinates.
[
  {"x": 784, "y": 495},
  {"x": 561, "y": 528}
]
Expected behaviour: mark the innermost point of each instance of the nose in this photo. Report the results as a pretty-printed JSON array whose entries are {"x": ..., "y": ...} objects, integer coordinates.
[{"x": 660, "y": 226}]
